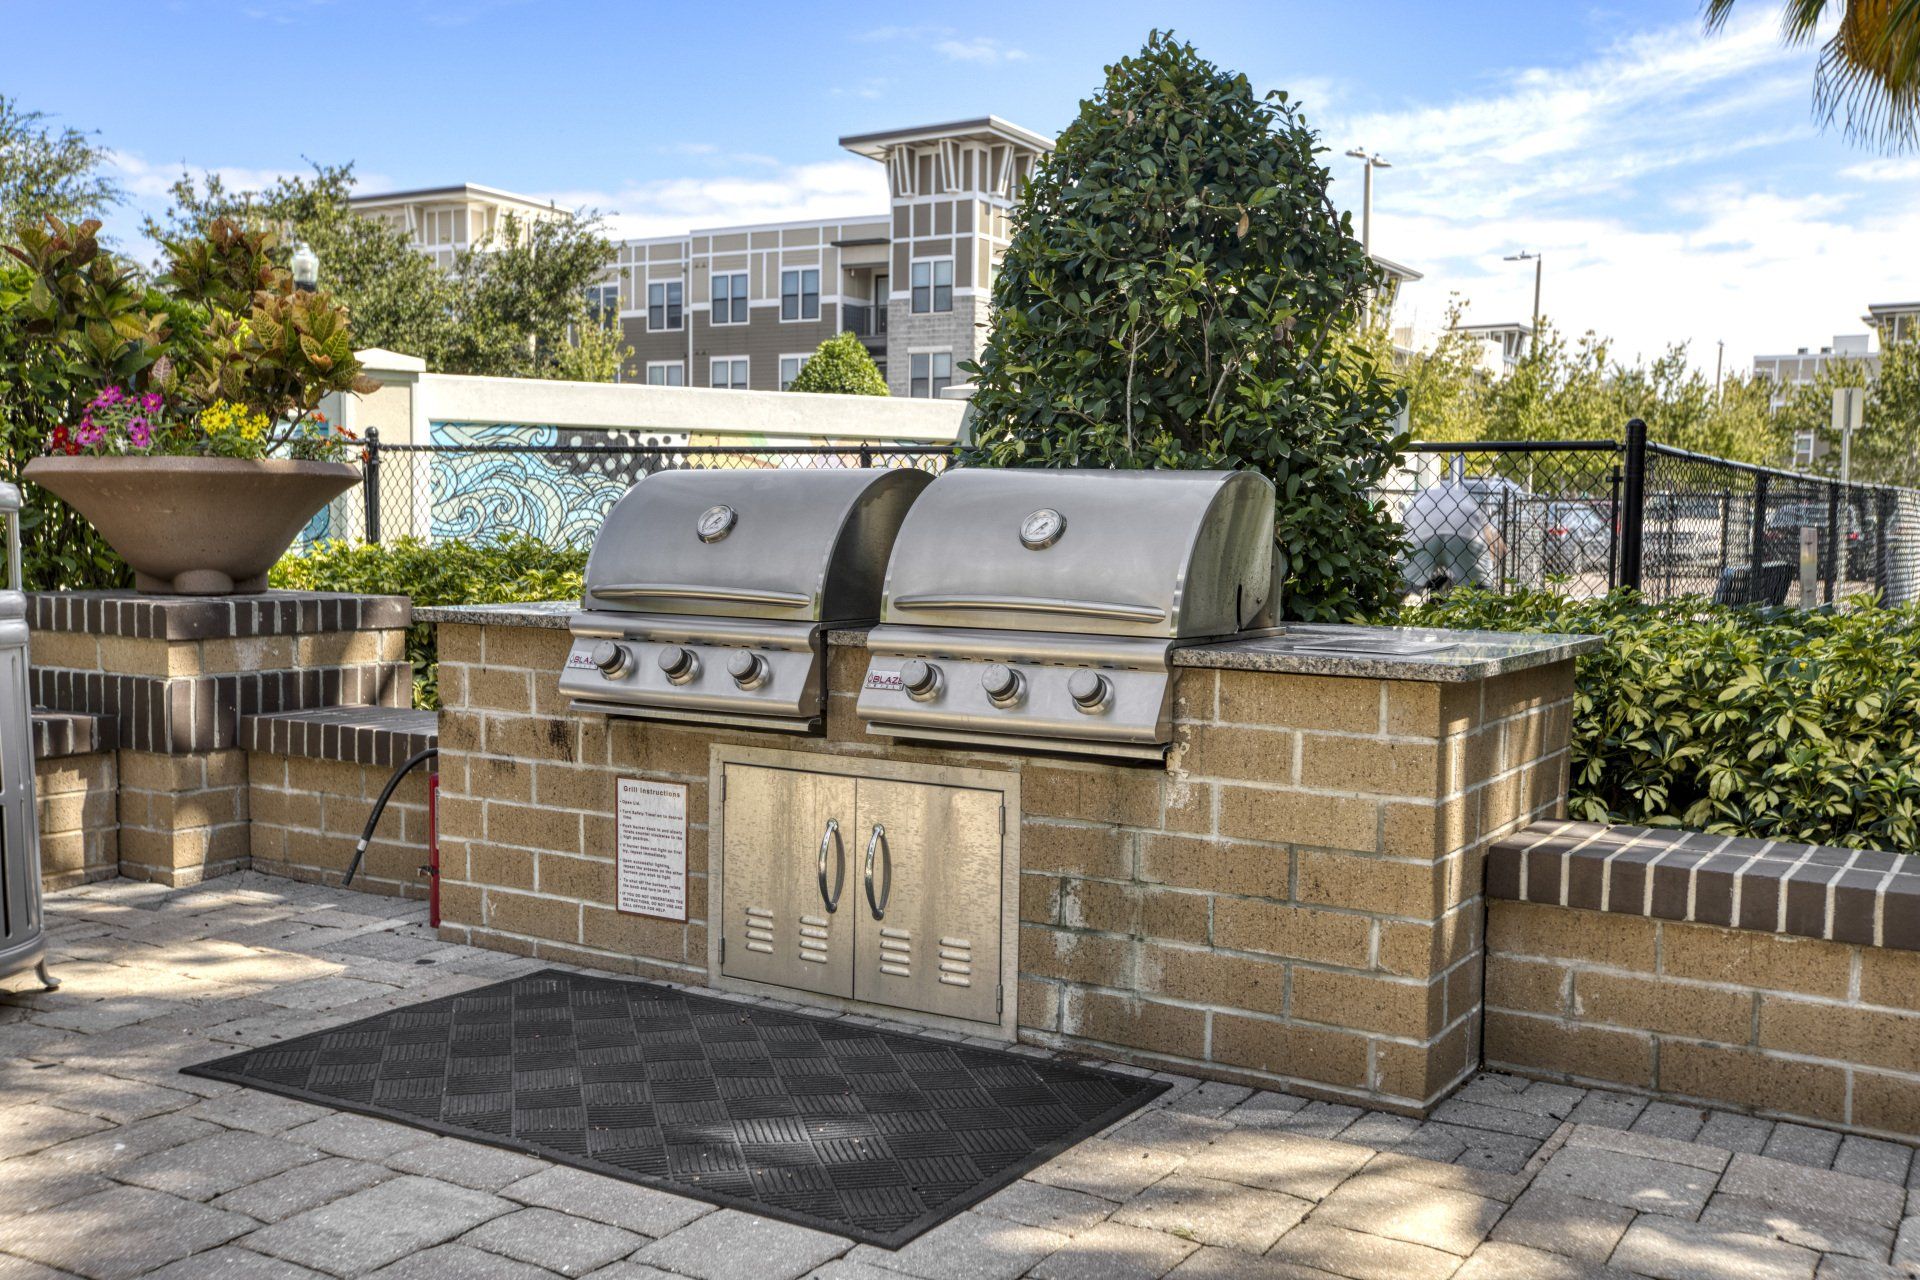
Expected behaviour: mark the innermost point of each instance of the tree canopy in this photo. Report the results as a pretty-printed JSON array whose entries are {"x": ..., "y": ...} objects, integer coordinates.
[
  {"x": 1179, "y": 291},
  {"x": 513, "y": 307},
  {"x": 46, "y": 169}
]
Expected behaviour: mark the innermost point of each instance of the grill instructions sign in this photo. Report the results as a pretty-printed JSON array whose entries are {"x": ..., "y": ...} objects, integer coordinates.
[{"x": 651, "y": 853}]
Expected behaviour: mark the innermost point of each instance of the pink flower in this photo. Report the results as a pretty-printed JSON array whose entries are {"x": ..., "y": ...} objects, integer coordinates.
[
  {"x": 139, "y": 433},
  {"x": 112, "y": 395},
  {"x": 152, "y": 401},
  {"x": 89, "y": 435}
]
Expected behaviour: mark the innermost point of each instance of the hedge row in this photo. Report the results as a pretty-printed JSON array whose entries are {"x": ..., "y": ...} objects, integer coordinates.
[
  {"x": 1769, "y": 722},
  {"x": 498, "y": 572}
]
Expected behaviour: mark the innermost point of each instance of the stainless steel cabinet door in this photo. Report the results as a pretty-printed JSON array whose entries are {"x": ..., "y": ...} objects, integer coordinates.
[
  {"x": 786, "y": 865},
  {"x": 928, "y": 898}
]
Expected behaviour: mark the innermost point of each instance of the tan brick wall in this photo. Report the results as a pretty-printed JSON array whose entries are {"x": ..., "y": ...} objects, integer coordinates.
[
  {"x": 128, "y": 655},
  {"x": 183, "y": 818},
  {"x": 1294, "y": 899},
  {"x": 306, "y": 817},
  {"x": 1785, "y": 1026},
  {"x": 79, "y": 819}
]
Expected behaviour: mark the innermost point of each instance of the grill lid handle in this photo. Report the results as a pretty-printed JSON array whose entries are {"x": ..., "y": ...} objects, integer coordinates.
[
  {"x": 1038, "y": 604},
  {"x": 632, "y": 592}
]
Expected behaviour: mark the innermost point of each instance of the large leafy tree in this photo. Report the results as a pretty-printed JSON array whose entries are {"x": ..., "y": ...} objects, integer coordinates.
[
  {"x": 513, "y": 307},
  {"x": 1868, "y": 77},
  {"x": 1181, "y": 292},
  {"x": 49, "y": 170}
]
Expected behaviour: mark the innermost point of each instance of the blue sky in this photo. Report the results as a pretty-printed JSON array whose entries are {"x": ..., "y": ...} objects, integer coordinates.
[{"x": 1675, "y": 182}]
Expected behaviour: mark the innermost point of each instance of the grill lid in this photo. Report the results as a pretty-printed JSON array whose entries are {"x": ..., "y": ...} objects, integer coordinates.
[
  {"x": 801, "y": 546},
  {"x": 1162, "y": 554}
]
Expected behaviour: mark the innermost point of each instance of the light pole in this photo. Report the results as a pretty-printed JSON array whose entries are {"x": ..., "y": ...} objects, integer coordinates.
[
  {"x": 1538, "y": 260},
  {"x": 1370, "y": 161}
]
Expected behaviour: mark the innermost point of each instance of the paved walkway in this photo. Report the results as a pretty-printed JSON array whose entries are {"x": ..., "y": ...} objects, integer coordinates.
[{"x": 112, "y": 1165}]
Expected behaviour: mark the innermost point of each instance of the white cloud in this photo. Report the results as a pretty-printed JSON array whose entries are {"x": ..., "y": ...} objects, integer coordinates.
[
  {"x": 675, "y": 206},
  {"x": 980, "y": 49},
  {"x": 1881, "y": 169},
  {"x": 1672, "y": 183}
]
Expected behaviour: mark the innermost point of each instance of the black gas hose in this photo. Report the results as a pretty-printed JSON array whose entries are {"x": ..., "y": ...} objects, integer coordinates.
[{"x": 380, "y": 807}]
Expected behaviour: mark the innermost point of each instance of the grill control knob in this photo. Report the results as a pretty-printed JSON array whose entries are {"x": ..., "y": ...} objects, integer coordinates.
[
  {"x": 1001, "y": 682},
  {"x": 747, "y": 669},
  {"x": 1089, "y": 690},
  {"x": 612, "y": 659},
  {"x": 919, "y": 678},
  {"x": 677, "y": 663}
]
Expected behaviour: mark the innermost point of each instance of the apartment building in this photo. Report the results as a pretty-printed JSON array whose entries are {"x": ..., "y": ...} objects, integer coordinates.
[
  {"x": 1894, "y": 321},
  {"x": 1502, "y": 346},
  {"x": 745, "y": 307},
  {"x": 443, "y": 222}
]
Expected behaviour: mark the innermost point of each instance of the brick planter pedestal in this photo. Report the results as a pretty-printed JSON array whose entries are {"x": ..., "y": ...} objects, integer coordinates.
[{"x": 169, "y": 678}]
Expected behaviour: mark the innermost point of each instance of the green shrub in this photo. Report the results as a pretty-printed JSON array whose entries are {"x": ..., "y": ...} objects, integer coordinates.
[
  {"x": 841, "y": 364},
  {"x": 1769, "y": 722},
  {"x": 502, "y": 571},
  {"x": 1179, "y": 291}
]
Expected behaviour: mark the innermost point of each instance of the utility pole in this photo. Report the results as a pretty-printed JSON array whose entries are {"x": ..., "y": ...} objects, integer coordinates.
[
  {"x": 1538, "y": 260},
  {"x": 1368, "y": 162},
  {"x": 1719, "y": 361}
]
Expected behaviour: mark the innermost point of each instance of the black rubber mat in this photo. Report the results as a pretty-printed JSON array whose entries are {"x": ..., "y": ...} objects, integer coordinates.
[{"x": 875, "y": 1135}]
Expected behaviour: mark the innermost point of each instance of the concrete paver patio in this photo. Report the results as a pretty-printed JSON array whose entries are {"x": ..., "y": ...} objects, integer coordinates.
[{"x": 113, "y": 1165}]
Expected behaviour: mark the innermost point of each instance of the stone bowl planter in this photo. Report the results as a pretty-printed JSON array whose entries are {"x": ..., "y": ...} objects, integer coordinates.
[{"x": 195, "y": 526}]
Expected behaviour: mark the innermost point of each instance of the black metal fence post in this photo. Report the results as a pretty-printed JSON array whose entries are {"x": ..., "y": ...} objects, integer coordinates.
[
  {"x": 1836, "y": 550},
  {"x": 370, "y": 484},
  {"x": 1633, "y": 504},
  {"x": 1882, "y": 543},
  {"x": 866, "y": 455},
  {"x": 1758, "y": 534}
]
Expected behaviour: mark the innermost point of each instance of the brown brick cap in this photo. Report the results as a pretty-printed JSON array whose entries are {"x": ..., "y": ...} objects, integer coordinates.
[
  {"x": 357, "y": 735},
  {"x": 1865, "y": 896},
  {"x": 70, "y": 733}
]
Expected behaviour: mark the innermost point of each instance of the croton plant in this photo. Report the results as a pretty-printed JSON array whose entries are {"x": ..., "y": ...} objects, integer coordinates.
[{"x": 222, "y": 357}]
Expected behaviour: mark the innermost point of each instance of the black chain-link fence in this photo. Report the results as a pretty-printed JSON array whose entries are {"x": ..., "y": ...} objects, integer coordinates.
[
  {"x": 1579, "y": 517},
  {"x": 1582, "y": 517}
]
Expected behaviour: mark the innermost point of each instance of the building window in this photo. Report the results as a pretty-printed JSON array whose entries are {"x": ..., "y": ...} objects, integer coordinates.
[
  {"x": 663, "y": 306},
  {"x": 603, "y": 303},
  {"x": 800, "y": 294},
  {"x": 730, "y": 297},
  {"x": 930, "y": 373},
  {"x": 932, "y": 285},
  {"x": 666, "y": 373},
  {"x": 790, "y": 367},
  {"x": 728, "y": 373}
]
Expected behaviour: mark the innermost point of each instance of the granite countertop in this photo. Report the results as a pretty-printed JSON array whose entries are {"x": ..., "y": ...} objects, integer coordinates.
[
  {"x": 1388, "y": 653},
  {"x": 1317, "y": 649},
  {"x": 551, "y": 614}
]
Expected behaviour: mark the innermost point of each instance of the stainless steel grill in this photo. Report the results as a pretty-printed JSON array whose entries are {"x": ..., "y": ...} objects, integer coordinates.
[
  {"x": 1041, "y": 609},
  {"x": 708, "y": 593}
]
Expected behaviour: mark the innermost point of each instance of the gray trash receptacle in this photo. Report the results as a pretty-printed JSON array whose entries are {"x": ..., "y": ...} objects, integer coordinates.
[{"x": 23, "y": 943}]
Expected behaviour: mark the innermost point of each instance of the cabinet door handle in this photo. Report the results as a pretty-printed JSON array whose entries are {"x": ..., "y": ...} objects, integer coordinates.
[
  {"x": 878, "y": 841},
  {"x": 831, "y": 836}
]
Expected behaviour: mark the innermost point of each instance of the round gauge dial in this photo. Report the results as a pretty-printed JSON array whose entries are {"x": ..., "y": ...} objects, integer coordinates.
[
  {"x": 1042, "y": 529},
  {"x": 716, "y": 523}
]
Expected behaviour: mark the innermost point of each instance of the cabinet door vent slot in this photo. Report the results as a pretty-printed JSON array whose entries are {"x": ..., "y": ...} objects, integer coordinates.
[{"x": 759, "y": 929}]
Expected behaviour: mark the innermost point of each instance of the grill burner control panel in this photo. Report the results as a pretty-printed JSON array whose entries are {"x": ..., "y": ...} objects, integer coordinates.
[
  {"x": 680, "y": 678},
  {"x": 1122, "y": 706}
]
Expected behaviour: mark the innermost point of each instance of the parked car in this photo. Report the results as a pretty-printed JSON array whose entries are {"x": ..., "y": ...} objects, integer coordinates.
[
  {"x": 1781, "y": 541},
  {"x": 1577, "y": 539}
]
